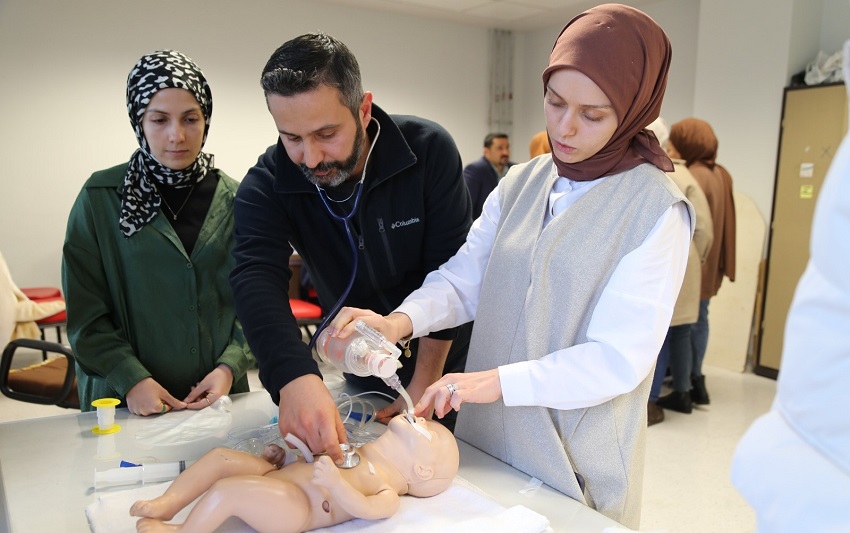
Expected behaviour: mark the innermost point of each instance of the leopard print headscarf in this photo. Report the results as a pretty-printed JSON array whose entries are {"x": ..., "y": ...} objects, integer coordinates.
[{"x": 162, "y": 69}]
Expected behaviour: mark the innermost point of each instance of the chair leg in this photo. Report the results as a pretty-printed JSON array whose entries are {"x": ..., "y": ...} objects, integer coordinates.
[{"x": 43, "y": 352}]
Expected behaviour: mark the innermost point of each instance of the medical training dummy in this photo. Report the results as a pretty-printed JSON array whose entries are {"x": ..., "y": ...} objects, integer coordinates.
[
  {"x": 793, "y": 464},
  {"x": 281, "y": 492}
]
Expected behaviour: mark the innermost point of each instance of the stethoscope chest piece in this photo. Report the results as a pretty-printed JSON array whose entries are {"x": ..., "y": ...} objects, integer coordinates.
[{"x": 350, "y": 456}]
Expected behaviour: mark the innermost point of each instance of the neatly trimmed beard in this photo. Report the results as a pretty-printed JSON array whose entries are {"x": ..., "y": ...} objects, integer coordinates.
[{"x": 343, "y": 168}]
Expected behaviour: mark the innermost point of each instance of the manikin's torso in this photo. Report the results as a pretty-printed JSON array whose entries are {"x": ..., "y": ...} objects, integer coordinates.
[{"x": 368, "y": 478}]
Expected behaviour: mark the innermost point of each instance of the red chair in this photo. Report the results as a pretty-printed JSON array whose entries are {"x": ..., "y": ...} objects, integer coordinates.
[
  {"x": 58, "y": 321},
  {"x": 306, "y": 315},
  {"x": 37, "y": 294}
]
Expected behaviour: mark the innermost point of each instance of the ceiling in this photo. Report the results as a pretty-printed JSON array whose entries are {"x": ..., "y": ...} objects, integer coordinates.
[{"x": 515, "y": 15}]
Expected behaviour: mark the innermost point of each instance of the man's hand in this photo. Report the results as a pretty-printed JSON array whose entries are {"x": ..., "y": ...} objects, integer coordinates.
[
  {"x": 308, "y": 412},
  {"x": 148, "y": 397}
]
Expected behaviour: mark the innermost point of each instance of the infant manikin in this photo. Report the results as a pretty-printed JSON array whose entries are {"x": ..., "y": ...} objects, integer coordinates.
[{"x": 278, "y": 493}]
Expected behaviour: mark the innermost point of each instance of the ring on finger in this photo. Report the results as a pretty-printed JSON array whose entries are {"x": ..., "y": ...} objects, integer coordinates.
[
  {"x": 452, "y": 388},
  {"x": 207, "y": 398},
  {"x": 164, "y": 409}
]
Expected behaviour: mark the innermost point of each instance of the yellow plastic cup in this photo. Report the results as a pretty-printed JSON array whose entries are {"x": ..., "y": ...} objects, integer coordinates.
[{"x": 105, "y": 416}]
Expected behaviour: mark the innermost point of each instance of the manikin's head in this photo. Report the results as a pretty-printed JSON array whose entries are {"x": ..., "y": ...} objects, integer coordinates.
[
  {"x": 315, "y": 96},
  {"x": 428, "y": 465}
]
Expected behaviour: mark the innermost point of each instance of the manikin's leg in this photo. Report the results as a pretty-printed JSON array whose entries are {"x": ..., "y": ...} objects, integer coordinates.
[
  {"x": 265, "y": 504},
  {"x": 198, "y": 478}
]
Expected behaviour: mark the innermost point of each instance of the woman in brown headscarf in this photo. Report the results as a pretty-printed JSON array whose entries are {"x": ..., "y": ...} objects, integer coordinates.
[
  {"x": 694, "y": 141},
  {"x": 571, "y": 274}
]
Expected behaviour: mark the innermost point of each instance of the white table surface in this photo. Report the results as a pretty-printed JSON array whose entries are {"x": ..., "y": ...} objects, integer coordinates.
[{"x": 47, "y": 469}]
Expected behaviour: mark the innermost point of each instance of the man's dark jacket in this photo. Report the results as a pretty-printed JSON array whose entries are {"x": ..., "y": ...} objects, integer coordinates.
[
  {"x": 481, "y": 178},
  {"x": 414, "y": 214}
]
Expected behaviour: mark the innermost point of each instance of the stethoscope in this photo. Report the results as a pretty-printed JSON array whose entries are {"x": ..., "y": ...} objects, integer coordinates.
[{"x": 346, "y": 220}]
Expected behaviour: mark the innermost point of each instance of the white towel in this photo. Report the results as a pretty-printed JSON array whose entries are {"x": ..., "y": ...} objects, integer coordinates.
[{"x": 462, "y": 507}]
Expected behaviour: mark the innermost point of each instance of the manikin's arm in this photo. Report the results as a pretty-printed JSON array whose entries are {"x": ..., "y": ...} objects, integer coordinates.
[{"x": 382, "y": 505}]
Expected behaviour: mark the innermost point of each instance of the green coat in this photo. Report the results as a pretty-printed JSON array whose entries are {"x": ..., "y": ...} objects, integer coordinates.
[{"x": 140, "y": 307}]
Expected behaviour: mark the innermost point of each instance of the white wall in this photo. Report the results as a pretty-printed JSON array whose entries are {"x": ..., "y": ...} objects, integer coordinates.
[
  {"x": 63, "y": 69},
  {"x": 679, "y": 18},
  {"x": 835, "y": 24},
  {"x": 739, "y": 87}
]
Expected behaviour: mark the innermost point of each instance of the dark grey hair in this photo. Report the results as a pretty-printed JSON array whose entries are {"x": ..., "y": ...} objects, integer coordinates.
[{"x": 310, "y": 60}]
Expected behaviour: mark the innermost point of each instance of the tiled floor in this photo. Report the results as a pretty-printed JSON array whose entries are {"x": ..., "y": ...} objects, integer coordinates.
[
  {"x": 687, "y": 488},
  {"x": 686, "y": 484}
]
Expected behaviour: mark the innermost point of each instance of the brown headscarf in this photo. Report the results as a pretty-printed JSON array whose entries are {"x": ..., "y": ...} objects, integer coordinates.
[
  {"x": 628, "y": 56},
  {"x": 695, "y": 141}
]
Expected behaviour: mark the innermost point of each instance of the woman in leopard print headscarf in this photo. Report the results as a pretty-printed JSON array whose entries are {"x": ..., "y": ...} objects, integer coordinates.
[
  {"x": 150, "y": 313},
  {"x": 154, "y": 72}
]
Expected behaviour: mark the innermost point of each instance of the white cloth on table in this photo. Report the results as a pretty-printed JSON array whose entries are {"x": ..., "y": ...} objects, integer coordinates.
[{"x": 462, "y": 507}]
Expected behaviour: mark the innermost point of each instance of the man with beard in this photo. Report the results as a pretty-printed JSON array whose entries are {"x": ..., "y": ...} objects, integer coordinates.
[
  {"x": 482, "y": 175},
  {"x": 371, "y": 202}
]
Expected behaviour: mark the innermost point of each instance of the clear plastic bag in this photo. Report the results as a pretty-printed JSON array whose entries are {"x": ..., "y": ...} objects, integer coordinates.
[{"x": 825, "y": 69}]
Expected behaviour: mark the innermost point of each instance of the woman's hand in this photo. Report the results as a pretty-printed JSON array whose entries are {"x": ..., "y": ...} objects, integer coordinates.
[
  {"x": 214, "y": 385},
  {"x": 474, "y": 387},
  {"x": 394, "y": 326},
  {"x": 148, "y": 397}
]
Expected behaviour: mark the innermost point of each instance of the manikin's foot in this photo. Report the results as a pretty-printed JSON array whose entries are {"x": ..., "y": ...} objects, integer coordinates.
[
  {"x": 163, "y": 508},
  {"x": 153, "y": 525}
]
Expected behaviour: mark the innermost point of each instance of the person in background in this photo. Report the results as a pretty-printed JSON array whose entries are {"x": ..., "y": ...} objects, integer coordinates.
[
  {"x": 18, "y": 313},
  {"x": 694, "y": 141},
  {"x": 677, "y": 347},
  {"x": 482, "y": 175},
  {"x": 571, "y": 274},
  {"x": 539, "y": 145},
  {"x": 371, "y": 202},
  {"x": 793, "y": 464},
  {"x": 147, "y": 254}
]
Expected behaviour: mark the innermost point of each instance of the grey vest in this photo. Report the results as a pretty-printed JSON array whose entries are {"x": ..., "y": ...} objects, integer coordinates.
[{"x": 537, "y": 296}]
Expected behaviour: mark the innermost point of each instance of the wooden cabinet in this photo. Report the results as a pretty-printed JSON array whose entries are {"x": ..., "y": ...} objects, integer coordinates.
[{"x": 814, "y": 121}]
